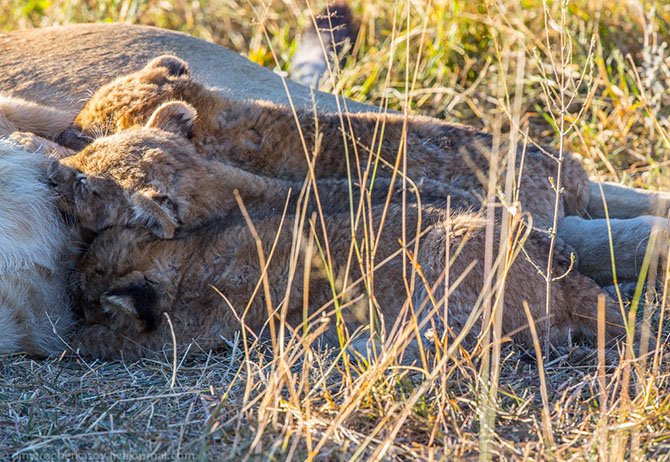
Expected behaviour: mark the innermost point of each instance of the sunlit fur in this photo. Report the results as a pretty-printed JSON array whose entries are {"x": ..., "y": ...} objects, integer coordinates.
[
  {"x": 204, "y": 278},
  {"x": 34, "y": 258}
]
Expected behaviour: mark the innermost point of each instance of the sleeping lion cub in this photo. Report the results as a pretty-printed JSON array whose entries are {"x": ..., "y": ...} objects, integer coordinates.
[
  {"x": 204, "y": 279},
  {"x": 152, "y": 177},
  {"x": 263, "y": 138}
]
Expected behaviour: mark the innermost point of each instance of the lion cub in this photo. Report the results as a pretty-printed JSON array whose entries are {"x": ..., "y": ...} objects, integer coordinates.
[
  {"x": 270, "y": 140},
  {"x": 204, "y": 279},
  {"x": 153, "y": 177}
]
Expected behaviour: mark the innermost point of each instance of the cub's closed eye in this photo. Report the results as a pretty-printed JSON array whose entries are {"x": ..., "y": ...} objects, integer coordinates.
[
  {"x": 86, "y": 185},
  {"x": 82, "y": 181}
]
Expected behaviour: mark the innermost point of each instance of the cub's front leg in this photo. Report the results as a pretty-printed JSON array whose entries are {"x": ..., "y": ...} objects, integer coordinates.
[{"x": 20, "y": 115}]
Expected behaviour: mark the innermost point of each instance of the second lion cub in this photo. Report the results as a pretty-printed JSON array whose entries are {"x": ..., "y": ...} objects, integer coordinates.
[{"x": 204, "y": 279}]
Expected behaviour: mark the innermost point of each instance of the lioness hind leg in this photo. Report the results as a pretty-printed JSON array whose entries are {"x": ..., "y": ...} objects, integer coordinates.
[
  {"x": 625, "y": 202},
  {"x": 591, "y": 241}
]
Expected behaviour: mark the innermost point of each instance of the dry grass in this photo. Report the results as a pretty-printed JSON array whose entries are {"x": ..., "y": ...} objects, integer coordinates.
[{"x": 496, "y": 65}]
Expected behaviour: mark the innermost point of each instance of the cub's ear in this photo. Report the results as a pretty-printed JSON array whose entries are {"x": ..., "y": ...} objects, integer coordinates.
[
  {"x": 154, "y": 211},
  {"x": 175, "y": 66},
  {"x": 134, "y": 298},
  {"x": 174, "y": 116}
]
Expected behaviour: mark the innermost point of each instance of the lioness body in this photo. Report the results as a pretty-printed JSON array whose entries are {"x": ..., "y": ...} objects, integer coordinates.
[
  {"x": 35, "y": 256},
  {"x": 75, "y": 60},
  {"x": 69, "y": 69}
]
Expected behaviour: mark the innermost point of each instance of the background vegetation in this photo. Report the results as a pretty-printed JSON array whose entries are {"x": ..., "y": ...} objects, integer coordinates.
[{"x": 464, "y": 61}]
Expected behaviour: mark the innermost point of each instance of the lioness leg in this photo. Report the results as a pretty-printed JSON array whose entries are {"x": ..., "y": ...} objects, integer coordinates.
[
  {"x": 625, "y": 202},
  {"x": 22, "y": 115},
  {"x": 34, "y": 143},
  {"x": 591, "y": 241}
]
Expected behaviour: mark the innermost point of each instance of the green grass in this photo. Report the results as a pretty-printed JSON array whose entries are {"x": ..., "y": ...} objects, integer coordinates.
[{"x": 305, "y": 403}]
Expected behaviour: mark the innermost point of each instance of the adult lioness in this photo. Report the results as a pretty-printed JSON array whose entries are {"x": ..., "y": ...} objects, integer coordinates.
[
  {"x": 35, "y": 257},
  {"x": 68, "y": 70},
  {"x": 36, "y": 246},
  {"x": 80, "y": 68}
]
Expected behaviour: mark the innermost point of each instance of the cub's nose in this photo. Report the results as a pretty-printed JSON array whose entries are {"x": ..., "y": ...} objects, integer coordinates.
[{"x": 73, "y": 138}]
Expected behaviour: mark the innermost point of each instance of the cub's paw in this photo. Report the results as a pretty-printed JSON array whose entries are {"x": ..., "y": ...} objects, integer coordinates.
[{"x": 73, "y": 138}]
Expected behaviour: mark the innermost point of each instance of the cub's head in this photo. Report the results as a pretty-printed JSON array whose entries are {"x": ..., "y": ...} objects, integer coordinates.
[
  {"x": 118, "y": 282},
  {"x": 128, "y": 101},
  {"x": 127, "y": 178}
]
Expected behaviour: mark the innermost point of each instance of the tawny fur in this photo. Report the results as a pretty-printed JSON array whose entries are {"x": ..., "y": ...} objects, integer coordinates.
[
  {"x": 35, "y": 256},
  {"x": 153, "y": 177},
  {"x": 128, "y": 278},
  {"x": 33, "y": 125},
  {"x": 68, "y": 66},
  {"x": 263, "y": 138}
]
